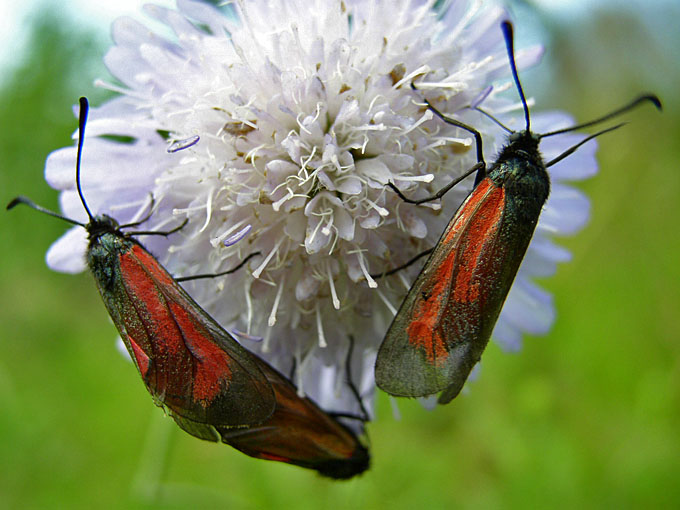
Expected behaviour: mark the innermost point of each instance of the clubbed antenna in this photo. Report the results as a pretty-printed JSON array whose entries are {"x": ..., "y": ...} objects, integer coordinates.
[
  {"x": 82, "y": 120},
  {"x": 506, "y": 26}
]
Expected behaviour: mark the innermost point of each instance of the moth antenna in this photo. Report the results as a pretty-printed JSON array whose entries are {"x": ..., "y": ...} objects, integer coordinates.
[
  {"x": 573, "y": 148},
  {"x": 506, "y": 26},
  {"x": 33, "y": 205},
  {"x": 652, "y": 98},
  {"x": 494, "y": 119},
  {"x": 82, "y": 120}
]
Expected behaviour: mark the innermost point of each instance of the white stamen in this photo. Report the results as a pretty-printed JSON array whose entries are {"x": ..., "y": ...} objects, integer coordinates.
[
  {"x": 184, "y": 210},
  {"x": 216, "y": 241},
  {"x": 454, "y": 86},
  {"x": 389, "y": 306},
  {"x": 409, "y": 77},
  {"x": 315, "y": 231},
  {"x": 277, "y": 205},
  {"x": 275, "y": 307},
  {"x": 208, "y": 211},
  {"x": 381, "y": 210},
  {"x": 331, "y": 283},
  {"x": 327, "y": 229},
  {"x": 415, "y": 178},
  {"x": 467, "y": 142},
  {"x": 369, "y": 127},
  {"x": 334, "y": 243},
  {"x": 363, "y": 145},
  {"x": 372, "y": 103},
  {"x": 426, "y": 116},
  {"x": 304, "y": 164},
  {"x": 120, "y": 90},
  {"x": 302, "y": 128},
  {"x": 319, "y": 327},
  {"x": 258, "y": 271},
  {"x": 252, "y": 153},
  {"x": 362, "y": 264}
]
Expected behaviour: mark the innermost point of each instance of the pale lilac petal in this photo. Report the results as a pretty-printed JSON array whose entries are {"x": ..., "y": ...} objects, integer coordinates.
[
  {"x": 578, "y": 165},
  {"x": 542, "y": 257},
  {"x": 67, "y": 254},
  {"x": 529, "y": 308},
  {"x": 566, "y": 212},
  {"x": 508, "y": 336}
]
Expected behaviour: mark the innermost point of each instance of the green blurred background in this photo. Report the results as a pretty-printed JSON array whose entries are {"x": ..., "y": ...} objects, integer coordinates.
[{"x": 587, "y": 416}]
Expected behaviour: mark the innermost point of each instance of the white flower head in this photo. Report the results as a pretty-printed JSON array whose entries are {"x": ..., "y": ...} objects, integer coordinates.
[{"x": 273, "y": 126}]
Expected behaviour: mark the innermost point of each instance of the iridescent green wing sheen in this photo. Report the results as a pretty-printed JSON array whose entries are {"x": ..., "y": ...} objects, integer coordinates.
[{"x": 190, "y": 365}]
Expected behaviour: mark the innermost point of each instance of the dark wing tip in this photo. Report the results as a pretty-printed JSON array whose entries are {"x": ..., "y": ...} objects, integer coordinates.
[{"x": 344, "y": 469}]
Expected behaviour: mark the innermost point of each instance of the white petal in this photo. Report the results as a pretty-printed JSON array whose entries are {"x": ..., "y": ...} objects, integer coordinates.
[
  {"x": 344, "y": 223},
  {"x": 349, "y": 185},
  {"x": 566, "y": 212},
  {"x": 306, "y": 287},
  {"x": 67, "y": 254},
  {"x": 507, "y": 336},
  {"x": 529, "y": 308},
  {"x": 375, "y": 170},
  {"x": 414, "y": 225}
]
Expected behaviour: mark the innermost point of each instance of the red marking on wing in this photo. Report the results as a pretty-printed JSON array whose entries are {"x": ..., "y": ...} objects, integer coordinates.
[
  {"x": 423, "y": 330},
  {"x": 213, "y": 369},
  {"x": 184, "y": 355},
  {"x": 269, "y": 456},
  {"x": 189, "y": 364},
  {"x": 166, "y": 346},
  {"x": 482, "y": 227},
  {"x": 472, "y": 203},
  {"x": 151, "y": 265},
  {"x": 140, "y": 356},
  {"x": 462, "y": 244}
]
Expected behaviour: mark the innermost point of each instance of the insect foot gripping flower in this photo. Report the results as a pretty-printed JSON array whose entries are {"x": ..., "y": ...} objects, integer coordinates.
[{"x": 301, "y": 123}]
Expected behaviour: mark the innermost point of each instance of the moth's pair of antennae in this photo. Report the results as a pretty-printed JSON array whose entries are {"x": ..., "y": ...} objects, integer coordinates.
[
  {"x": 506, "y": 26},
  {"x": 508, "y": 34}
]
